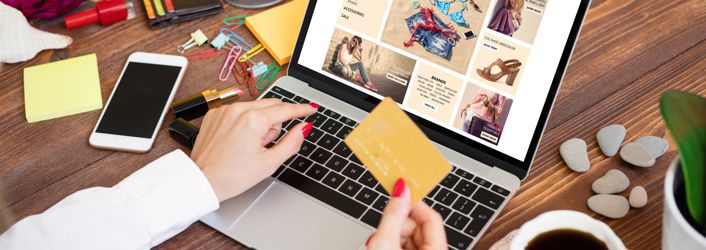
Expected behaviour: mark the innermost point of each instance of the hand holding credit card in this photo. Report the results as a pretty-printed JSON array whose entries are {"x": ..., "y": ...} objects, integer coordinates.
[{"x": 391, "y": 146}]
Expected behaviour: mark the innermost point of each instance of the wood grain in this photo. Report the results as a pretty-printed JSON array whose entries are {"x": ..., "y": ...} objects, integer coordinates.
[{"x": 628, "y": 53}]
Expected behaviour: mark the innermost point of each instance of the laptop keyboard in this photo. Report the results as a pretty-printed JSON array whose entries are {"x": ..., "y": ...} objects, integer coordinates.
[{"x": 327, "y": 170}]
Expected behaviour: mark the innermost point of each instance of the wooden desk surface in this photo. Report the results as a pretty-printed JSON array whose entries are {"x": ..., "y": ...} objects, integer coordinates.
[{"x": 627, "y": 54}]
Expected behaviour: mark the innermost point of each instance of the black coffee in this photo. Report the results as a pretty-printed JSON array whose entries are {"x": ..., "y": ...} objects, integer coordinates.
[{"x": 563, "y": 239}]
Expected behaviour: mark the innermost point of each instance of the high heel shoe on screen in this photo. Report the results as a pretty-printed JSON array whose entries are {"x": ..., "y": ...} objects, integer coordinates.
[{"x": 510, "y": 68}]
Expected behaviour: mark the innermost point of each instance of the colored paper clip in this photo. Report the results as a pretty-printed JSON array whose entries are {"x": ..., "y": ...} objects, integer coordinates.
[
  {"x": 258, "y": 69},
  {"x": 272, "y": 72},
  {"x": 198, "y": 38},
  {"x": 235, "y": 20},
  {"x": 248, "y": 78},
  {"x": 252, "y": 52},
  {"x": 230, "y": 34},
  {"x": 204, "y": 54},
  {"x": 230, "y": 62}
]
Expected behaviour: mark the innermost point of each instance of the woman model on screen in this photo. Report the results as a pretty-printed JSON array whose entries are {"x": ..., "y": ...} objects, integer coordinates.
[
  {"x": 508, "y": 18},
  {"x": 350, "y": 60},
  {"x": 167, "y": 195},
  {"x": 486, "y": 105}
]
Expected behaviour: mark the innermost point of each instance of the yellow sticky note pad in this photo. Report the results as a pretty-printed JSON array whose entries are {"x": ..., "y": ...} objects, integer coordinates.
[
  {"x": 62, "y": 88},
  {"x": 391, "y": 146}
]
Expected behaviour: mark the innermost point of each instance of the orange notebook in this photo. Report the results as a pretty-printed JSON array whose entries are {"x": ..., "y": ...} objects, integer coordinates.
[{"x": 277, "y": 28}]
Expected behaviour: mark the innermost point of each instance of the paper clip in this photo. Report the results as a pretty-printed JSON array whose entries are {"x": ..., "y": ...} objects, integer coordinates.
[
  {"x": 204, "y": 54},
  {"x": 198, "y": 38},
  {"x": 252, "y": 52},
  {"x": 258, "y": 69},
  {"x": 248, "y": 78},
  {"x": 229, "y": 21},
  {"x": 272, "y": 72},
  {"x": 230, "y": 34},
  {"x": 231, "y": 60}
]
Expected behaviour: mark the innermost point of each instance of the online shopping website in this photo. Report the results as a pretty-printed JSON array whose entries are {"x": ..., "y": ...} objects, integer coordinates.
[{"x": 480, "y": 68}]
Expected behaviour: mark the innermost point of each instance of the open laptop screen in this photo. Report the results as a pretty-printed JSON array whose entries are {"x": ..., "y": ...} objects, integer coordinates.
[{"x": 482, "y": 69}]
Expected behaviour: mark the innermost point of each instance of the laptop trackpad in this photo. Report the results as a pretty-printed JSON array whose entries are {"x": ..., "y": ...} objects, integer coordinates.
[{"x": 281, "y": 218}]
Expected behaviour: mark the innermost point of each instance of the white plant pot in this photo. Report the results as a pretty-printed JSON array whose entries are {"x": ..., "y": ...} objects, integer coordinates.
[{"x": 677, "y": 233}]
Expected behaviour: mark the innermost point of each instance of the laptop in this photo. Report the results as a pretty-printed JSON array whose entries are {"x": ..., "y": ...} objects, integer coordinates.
[{"x": 478, "y": 77}]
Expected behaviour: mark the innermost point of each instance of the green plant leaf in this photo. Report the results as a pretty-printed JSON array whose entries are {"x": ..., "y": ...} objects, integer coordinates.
[{"x": 685, "y": 116}]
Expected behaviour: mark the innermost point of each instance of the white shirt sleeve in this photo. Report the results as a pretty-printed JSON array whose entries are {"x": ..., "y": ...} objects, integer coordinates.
[{"x": 148, "y": 207}]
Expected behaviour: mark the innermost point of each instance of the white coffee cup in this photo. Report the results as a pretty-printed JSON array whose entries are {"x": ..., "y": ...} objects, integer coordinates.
[{"x": 565, "y": 219}]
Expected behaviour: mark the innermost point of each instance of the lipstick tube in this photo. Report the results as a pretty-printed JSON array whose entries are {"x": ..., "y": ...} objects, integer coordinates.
[
  {"x": 106, "y": 12},
  {"x": 197, "y": 105}
]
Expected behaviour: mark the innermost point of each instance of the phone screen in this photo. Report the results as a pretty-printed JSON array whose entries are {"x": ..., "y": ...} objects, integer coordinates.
[{"x": 138, "y": 101}]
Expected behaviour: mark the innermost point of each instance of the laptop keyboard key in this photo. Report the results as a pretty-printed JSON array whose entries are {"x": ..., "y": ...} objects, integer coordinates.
[
  {"x": 463, "y": 205},
  {"x": 353, "y": 171},
  {"x": 314, "y": 135},
  {"x": 317, "y": 119},
  {"x": 300, "y": 164},
  {"x": 307, "y": 148},
  {"x": 380, "y": 203},
  {"x": 350, "y": 188},
  {"x": 368, "y": 180},
  {"x": 479, "y": 218},
  {"x": 333, "y": 180},
  {"x": 500, "y": 190},
  {"x": 488, "y": 198},
  {"x": 445, "y": 196},
  {"x": 367, "y": 196},
  {"x": 465, "y": 188},
  {"x": 372, "y": 218},
  {"x": 343, "y": 133},
  {"x": 320, "y": 155},
  {"x": 450, "y": 180},
  {"x": 283, "y": 92},
  {"x": 300, "y": 99},
  {"x": 317, "y": 172},
  {"x": 355, "y": 159},
  {"x": 348, "y": 121},
  {"x": 444, "y": 211},
  {"x": 482, "y": 182},
  {"x": 322, "y": 193},
  {"x": 272, "y": 95},
  {"x": 328, "y": 141},
  {"x": 342, "y": 150},
  {"x": 332, "y": 114},
  {"x": 337, "y": 163},
  {"x": 464, "y": 174},
  {"x": 331, "y": 126},
  {"x": 457, "y": 221},
  {"x": 457, "y": 239}
]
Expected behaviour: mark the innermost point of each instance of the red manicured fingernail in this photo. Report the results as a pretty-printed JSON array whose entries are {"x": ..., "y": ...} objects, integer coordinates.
[
  {"x": 314, "y": 105},
  {"x": 368, "y": 240},
  {"x": 398, "y": 189},
  {"x": 307, "y": 129}
]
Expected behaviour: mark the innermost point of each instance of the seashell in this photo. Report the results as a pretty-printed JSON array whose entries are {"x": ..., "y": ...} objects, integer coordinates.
[{"x": 20, "y": 42}]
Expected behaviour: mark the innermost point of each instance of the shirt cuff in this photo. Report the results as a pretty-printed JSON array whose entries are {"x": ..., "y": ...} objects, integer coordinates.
[{"x": 170, "y": 194}]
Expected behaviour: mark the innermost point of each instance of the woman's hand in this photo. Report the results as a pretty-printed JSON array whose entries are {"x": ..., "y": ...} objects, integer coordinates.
[
  {"x": 230, "y": 148},
  {"x": 420, "y": 228}
]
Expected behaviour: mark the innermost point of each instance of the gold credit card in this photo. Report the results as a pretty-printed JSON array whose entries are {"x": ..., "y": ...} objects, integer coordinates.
[{"x": 391, "y": 146}]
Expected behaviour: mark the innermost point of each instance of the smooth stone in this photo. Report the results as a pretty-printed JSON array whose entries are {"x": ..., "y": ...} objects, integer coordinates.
[
  {"x": 656, "y": 145},
  {"x": 609, "y": 139},
  {"x": 613, "y": 181},
  {"x": 574, "y": 153},
  {"x": 609, "y": 205},
  {"x": 637, "y": 155},
  {"x": 638, "y": 197}
]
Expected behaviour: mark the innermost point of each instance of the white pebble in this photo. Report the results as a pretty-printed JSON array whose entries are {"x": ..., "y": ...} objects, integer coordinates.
[
  {"x": 574, "y": 153},
  {"x": 609, "y": 205},
  {"x": 613, "y": 181},
  {"x": 656, "y": 145},
  {"x": 638, "y": 197},
  {"x": 637, "y": 155},
  {"x": 609, "y": 139}
]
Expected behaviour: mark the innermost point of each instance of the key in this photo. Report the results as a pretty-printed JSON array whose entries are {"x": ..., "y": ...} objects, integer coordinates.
[
  {"x": 481, "y": 181},
  {"x": 464, "y": 205},
  {"x": 337, "y": 163},
  {"x": 348, "y": 121},
  {"x": 479, "y": 218},
  {"x": 372, "y": 218},
  {"x": 320, "y": 155},
  {"x": 353, "y": 171},
  {"x": 342, "y": 150},
  {"x": 317, "y": 172},
  {"x": 333, "y": 180},
  {"x": 465, "y": 188},
  {"x": 464, "y": 174},
  {"x": 317, "y": 119},
  {"x": 331, "y": 126},
  {"x": 314, "y": 135},
  {"x": 300, "y": 99},
  {"x": 350, "y": 188},
  {"x": 328, "y": 141},
  {"x": 444, "y": 211},
  {"x": 450, "y": 180},
  {"x": 283, "y": 92},
  {"x": 445, "y": 196},
  {"x": 456, "y": 239},
  {"x": 332, "y": 114},
  {"x": 488, "y": 198},
  {"x": 380, "y": 203},
  {"x": 367, "y": 196},
  {"x": 343, "y": 133},
  {"x": 272, "y": 95},
  {"x": 300, "y": 164},
  {"x": 368, "y": 180},
  {"x": 457, "y": 221},
  {"x": 322, "y": 193},
  {"x": 500, "y": 190},
  {"x": 307, "y": 148}
]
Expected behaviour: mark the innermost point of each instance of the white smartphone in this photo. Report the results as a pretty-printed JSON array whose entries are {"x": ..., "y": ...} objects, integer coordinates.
[{"x": 135, "y": 110}]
